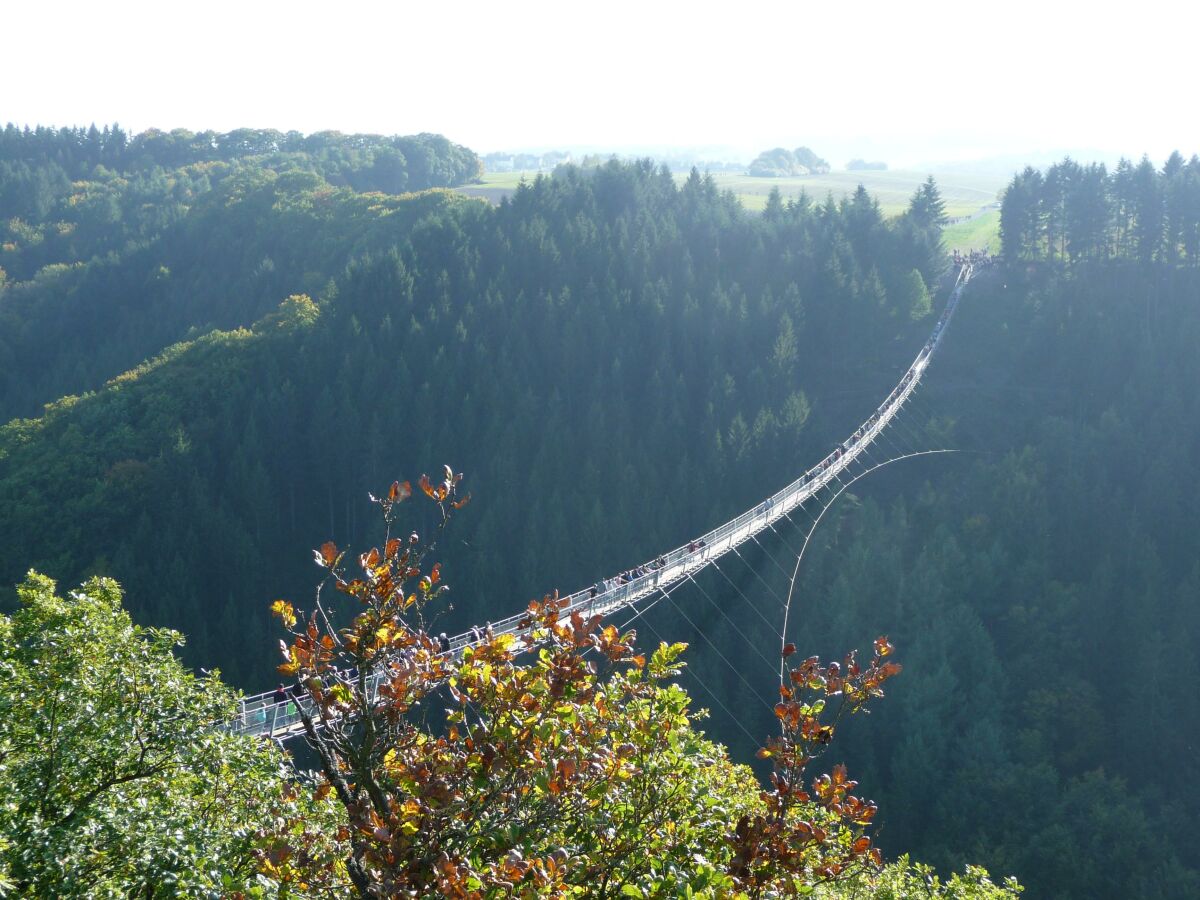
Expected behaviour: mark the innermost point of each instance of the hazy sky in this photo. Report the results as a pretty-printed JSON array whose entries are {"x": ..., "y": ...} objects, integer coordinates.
[{"x": 906, "y": 82}]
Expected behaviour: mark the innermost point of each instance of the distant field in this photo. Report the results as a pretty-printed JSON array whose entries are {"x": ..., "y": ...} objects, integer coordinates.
[
  {"x": 980, "y": 233},
  {"x": 494, "y": 185},
  {"x": 964, "y": 193},
  {"x": 508, "y": 180}
]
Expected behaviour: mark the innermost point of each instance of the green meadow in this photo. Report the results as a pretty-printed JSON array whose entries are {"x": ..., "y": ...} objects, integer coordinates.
[
  {"x": 979, "y": 233},
  {"x": 965, "y": 194}
]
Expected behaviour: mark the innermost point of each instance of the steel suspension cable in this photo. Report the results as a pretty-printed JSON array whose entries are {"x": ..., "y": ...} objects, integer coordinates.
[
  {"x": 748, "y": 601},
  {"x": 700, "y": 633},
  {"x": 711, "y": 693},
  {"x": 741, "y": 633},
  {"x": 738, "y": 554},
  {"x": 791, "y": 589}
]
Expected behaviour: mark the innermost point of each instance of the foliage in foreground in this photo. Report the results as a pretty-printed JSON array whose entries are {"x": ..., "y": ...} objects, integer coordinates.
[
  {"x": 906, "y": 880},
  {"x": 113, "y": 782},
  {"x": 577, "y": 775},
  {"x": 542, "y": 780}
]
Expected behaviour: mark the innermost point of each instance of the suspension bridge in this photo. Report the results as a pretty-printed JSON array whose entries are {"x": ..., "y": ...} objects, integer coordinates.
[{"x": 267, "y": 715}]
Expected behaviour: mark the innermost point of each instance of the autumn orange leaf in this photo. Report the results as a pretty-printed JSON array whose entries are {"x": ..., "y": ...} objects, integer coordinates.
[
  {"x": 327, "y": 555},
  {"x": 423, "y": 481}
]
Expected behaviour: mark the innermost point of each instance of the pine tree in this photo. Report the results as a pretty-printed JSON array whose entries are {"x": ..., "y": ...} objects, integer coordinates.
[{"x": 927, "y": 208}]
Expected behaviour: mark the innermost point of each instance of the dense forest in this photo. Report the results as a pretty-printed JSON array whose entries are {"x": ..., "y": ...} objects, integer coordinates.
[
  {"x": 617, "y": 363},
  {"x": 596, "y": 330},
  {"x": 71, "y": 195},
  {"x": 1081, "y": 213},
  {"x": 1044, "y": 583}
]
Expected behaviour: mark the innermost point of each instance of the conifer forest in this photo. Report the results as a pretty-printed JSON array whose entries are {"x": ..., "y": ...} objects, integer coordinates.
[{"x": 293, "y": 417}]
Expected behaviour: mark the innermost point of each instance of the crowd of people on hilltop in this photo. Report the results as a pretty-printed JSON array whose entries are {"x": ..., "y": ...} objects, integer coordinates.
[{"x": 976, "y": 258}]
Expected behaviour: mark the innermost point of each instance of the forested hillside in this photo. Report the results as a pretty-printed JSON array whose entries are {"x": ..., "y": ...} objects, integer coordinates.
[
  {"x": 73, "y": 195},
  {"x": 597, "y": 341},
  {"x": 1046, "y": 585},
  {"x": 617, "y": 364},
  {"x": 1073, "y": 212},
  {"x": 146, "y": 240}
]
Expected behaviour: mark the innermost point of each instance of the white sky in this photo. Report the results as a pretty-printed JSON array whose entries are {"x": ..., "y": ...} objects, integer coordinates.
[{"x": 905, "y": 82}]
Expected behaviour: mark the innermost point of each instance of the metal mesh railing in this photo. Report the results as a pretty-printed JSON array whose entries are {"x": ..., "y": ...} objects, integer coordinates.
[{"x": 265, "y": 714}]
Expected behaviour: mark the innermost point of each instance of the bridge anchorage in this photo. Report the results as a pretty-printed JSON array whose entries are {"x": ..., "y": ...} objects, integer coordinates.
[{"x": 268, "y": 716}]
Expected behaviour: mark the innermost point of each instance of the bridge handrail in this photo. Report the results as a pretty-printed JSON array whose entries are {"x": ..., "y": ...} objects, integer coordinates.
[{"x": 262, "y": 714}]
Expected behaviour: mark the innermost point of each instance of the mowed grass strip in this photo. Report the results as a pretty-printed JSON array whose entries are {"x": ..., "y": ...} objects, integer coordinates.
[{"x": 979, "y": 233}]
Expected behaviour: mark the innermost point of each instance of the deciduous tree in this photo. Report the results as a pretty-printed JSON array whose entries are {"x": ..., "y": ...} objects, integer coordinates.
[
  {"x": 575, "y": 774},
  {"x": 115, "y": 780}
]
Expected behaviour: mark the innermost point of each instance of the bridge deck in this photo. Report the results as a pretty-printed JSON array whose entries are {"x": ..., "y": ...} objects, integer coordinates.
[{"x": 261, "y": 715}]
